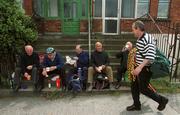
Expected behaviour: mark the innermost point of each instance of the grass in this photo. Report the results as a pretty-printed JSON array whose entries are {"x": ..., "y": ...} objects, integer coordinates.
[{"x": 163, "y": 85}]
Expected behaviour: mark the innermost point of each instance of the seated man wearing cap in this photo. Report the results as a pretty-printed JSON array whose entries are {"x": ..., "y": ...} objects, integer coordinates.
[{"x": 53, "y": 65}]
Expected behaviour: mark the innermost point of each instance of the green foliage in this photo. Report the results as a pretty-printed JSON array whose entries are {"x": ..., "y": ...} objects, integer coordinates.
[
  {"x": 15, "y": 27},
  {"x": 16, "y": 30}
]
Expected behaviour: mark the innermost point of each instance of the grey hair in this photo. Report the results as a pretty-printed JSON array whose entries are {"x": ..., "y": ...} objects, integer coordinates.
[{"x": 138, "y": 24}]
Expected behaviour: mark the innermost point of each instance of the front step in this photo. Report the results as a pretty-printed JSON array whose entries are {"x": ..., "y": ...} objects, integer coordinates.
[{"x": 66, "y": 44}]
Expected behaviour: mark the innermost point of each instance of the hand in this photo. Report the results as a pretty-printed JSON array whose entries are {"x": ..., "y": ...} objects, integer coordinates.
[
  {"x": 137, "y": 71},
  {"x": 103, "y": 67},
  {"x": 44, "y": 73},
  {"x": 29, "y": 67},
  {"x": 29, "y": 77},
  {"x": 97, "y": 69},
  {"x": 52, "y": 68},
  {"x": 26, "y": 74}
]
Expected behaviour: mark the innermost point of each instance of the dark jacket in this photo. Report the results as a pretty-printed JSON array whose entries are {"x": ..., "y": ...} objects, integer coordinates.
[
  {"x": 58, "y": 61},
  {"x": 29, "y": 60},
  {"x": 83, "y": 60},
  {"x": 99, "y": 58},
  {"x": 123, "y": 55}
]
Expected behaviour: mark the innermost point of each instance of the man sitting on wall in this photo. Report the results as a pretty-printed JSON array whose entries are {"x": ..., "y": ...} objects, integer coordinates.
[
  {"x": 82, "y": 63},
  {"x": 29, "y": 64},
  {"x": 100, "y": 64},
  {"x": 53, "y": 65}
]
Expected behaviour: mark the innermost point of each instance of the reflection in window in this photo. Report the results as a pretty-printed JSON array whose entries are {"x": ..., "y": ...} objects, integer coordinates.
[
  {"x": 98, "y": 8},
  {"x": 67, "y": 10},
  {"x": 111, "y": 8},
  {"x": 53, "y": 8},
  {"x": 111, "y": 26},
  {"x": 142, "y": 7},
  {"x": 128, "y": 8},
  {"x": 163, "y": 8},
  {"x": 74, "y": 10}
]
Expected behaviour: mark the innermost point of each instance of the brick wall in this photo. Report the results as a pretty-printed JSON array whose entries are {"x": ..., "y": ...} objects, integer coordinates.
[
  {"x": 175, "y": 10},
  {"x": 97, "y": 25},
  {"x": 153, "y": 9},
  {"x": 52, "y": 26},
  {"x": 27, "y": 5},
  {"x": 84, "y": 26}
]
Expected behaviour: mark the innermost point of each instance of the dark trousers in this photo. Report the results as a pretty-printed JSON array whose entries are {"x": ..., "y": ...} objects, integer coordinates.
[
  {"x": 19, "y": 74},
  {"x": 141, "y": 85},
  {"x": 51, "y": 74},
  {"x": 83, "y": 78},
  {"x": 120, "y": 72}
]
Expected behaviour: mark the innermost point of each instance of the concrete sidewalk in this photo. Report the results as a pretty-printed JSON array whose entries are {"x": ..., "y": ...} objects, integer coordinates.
[{"x": 89, "y": 104}]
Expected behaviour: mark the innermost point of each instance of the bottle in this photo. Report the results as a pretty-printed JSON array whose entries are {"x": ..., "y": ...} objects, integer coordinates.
[
  {"x": 58, "y": 83},
  {"x": 49, "y": 84},
  {"x": 79, "y": 73}
]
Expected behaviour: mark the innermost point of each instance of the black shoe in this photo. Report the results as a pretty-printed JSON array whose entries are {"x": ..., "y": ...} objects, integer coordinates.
[
  {"x": 133, "y": 108},
  {"x": 162, "y": 105}
]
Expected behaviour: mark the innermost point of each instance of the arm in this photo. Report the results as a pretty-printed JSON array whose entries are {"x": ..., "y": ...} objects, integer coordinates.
[
  {"x": 59, "y": 61},
  {"x": 119, "y": 55}
]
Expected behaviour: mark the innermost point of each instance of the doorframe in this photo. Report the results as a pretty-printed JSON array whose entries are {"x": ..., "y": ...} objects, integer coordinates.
[{"x": 110, "y": 18}]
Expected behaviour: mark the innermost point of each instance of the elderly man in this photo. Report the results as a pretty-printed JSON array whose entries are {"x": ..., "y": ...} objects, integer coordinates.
[
  {"x": 53, "y": 65},
  {"x": 145, "y": 54},
  {"x": 82, "y": 63},
  {"x": 123, "y": 55},
  {"x": 100, "y": 64},
  {"x": 29, "y": 64}
]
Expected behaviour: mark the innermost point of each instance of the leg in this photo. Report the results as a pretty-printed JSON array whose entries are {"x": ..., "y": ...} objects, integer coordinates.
[
  {"x": 91, "y": 72},
  {"x": 35, "y": 76},
  {"x": 108, "y": 72},
  {"x": 144, "y": 82},
  {"x": 135, "y": 95}
]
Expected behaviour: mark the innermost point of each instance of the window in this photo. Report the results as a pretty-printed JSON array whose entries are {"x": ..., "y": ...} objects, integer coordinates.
[
  {"x": 53, "y": 8},
  {"x": 142, "y": 7},
  {"x": 98, "y": 8},
  {"x": 128, "y": 8},
  {"x": 163, "y": 7},
  {"x": 38, "y": 7},
  {"x": 84, "y": 8}
]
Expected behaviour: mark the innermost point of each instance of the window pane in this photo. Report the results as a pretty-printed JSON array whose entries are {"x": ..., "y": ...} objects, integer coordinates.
[
  {"x": 67, "y": 10},
  {"x": 84, "y": 6},
  {"x": 38, "y": 7},
  {"x": 111, "y": 26},
  {"x": 128, "y": 8},
  {"x": 53, "y": 8},
  {"x": 163, "y": 9},
  {"x": 142, "y": 7},
  {"x": 74, "y": 10},
  {"x": 98, "y": 8},
  {"x": 111, "y": 8}
]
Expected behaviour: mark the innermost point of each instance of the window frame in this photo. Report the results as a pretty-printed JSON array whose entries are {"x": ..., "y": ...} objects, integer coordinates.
[{"x": 168, "y": 2}]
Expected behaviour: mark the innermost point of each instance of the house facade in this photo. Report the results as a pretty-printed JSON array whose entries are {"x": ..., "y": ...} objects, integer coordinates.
[{"x": 108, "y": 17}]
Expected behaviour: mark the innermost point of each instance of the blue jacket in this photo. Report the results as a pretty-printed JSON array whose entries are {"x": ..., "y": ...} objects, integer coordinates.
[
  {"x": 58, "y": 61},
  {"x": 83, "y": 60}
]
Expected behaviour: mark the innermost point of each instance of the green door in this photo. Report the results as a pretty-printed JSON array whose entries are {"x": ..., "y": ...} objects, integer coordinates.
[{"x": 71, "y": 18}]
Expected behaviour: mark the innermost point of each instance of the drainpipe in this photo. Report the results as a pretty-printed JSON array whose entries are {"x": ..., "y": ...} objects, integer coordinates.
[{"x": 89, "y": 27}]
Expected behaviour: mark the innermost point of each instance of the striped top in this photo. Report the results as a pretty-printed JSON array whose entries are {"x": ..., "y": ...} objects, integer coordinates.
[{"x": 146, "y": 48}]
